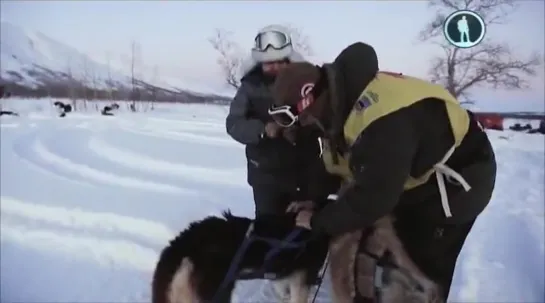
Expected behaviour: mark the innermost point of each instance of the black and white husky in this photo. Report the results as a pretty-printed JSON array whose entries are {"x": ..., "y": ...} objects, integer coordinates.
[{"x": 195, "y": 263}]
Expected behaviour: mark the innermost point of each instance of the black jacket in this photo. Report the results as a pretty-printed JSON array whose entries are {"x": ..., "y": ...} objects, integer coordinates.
[
  {"x": 406, "y": 142},
  {"x": 275, "y": 162}
]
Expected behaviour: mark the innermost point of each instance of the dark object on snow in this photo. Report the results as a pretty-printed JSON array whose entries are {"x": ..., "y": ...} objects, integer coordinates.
[
  {"x": 62, "y": 108},
  {"x": 9, "y": 113},
  {"x": 205, "y": 254},
  {"x": 517, "y": 127},
  {"x": 107, "y": 110},
  {"x": 540, "y": 129}
]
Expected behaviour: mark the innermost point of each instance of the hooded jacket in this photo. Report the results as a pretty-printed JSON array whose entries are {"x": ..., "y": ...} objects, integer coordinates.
[
  {"x": 404, "y": 142},
  {"x": 272, "y": 161}
]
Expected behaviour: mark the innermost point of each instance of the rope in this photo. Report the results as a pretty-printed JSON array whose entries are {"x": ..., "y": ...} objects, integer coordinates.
[{"x": 321, "y": 278}]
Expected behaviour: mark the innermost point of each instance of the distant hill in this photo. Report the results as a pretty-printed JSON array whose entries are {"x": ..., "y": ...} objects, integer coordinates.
[{"x": 33, "y": 64}]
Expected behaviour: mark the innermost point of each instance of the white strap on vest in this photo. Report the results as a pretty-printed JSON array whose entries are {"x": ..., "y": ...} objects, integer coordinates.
[{"x": 442, "y": 171}]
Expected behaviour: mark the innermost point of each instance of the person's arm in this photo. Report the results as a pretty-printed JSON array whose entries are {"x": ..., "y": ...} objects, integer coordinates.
[
  {"x": 319, "y": 184},
  {"x": 381, "y": 160},
  {"x": 239, "y": 126}
]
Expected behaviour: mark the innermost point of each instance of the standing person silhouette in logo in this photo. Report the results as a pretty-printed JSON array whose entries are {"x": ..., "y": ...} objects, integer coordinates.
[{"x": 463, "y": 28}]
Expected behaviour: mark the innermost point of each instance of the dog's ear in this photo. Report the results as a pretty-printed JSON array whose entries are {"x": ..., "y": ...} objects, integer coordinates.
[{"x": 227, "y": 214}]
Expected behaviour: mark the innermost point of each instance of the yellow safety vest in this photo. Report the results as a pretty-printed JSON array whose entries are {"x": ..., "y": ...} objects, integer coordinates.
[{"x": 384, "y": 95}]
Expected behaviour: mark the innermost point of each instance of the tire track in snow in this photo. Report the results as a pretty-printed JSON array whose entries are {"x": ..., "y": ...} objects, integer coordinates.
[
  {"x": 152, "y": 232},
  {"x": 139, "y": 162},
  {"x": 90, "y": 173}
]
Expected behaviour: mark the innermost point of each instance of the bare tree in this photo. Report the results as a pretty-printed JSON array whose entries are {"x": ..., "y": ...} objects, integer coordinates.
[
  {"x": 87, "y": 82},
  {"x": 135, "y": 95},
  {"x": 154, "y": 80},
  {"x": 109, "y": 82},
  {"x": 489, "y": 64},
  {"x": 71, "y": 84},
  {"x": 94, "y": 81},
  {"x": 231, "y": 57}
]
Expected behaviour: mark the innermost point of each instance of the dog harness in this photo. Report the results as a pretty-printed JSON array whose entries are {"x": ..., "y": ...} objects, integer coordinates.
[{"x": 249, "y": 238}]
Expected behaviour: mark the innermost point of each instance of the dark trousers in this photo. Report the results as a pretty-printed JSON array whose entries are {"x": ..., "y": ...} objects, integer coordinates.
[
  {"x": 433, "y": 247},
  {"x": 273, "y": 200}
]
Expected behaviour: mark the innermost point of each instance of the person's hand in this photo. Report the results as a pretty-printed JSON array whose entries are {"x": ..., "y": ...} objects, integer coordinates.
[
  {"x": 303, "y": 218},
  {"x": 272, "y": 129},
  {"x": 290, "y": 134},
  {"x": 296, "y": 206}
]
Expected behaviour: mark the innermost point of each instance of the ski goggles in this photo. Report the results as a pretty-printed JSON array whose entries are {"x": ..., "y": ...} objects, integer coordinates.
[
  {"x": 275, "y": 39},
  {"x": 287, "y": 115}
]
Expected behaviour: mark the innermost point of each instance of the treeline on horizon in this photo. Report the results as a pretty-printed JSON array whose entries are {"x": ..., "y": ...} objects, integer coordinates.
[{"x": 79, "y": 91}]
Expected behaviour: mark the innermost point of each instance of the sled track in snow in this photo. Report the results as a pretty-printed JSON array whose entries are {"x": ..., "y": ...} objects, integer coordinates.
[
  {"x": 120, "y": 247},
  {"x": 109, "y": 239},
  {"x": 46, "y": 152},
  {"x": 184, "y": 131},
  {"x": 74, "y": 221},
  {"x": 90, "y": 159}
]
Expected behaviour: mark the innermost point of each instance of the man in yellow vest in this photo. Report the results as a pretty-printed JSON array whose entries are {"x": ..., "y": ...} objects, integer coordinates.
[{"x": 405, "y": 144}]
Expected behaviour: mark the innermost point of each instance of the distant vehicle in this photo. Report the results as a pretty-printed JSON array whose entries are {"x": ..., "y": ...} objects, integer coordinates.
[
  {"x": 519, "y": 128},
  {"x": 490, "y": 120}
]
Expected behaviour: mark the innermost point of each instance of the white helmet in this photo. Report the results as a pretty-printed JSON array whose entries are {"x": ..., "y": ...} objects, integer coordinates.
[{"x": 272, "y": 43}]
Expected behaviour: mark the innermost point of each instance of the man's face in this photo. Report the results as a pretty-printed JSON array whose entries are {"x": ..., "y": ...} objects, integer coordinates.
[{"x": 273, "y": 67}]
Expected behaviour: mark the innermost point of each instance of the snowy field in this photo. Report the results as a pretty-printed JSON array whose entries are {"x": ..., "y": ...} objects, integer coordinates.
[{"x": 88, "y": 202}]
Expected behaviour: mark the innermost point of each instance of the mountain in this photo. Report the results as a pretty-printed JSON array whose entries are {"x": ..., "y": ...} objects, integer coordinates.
[{"x": 31, "y": 63}]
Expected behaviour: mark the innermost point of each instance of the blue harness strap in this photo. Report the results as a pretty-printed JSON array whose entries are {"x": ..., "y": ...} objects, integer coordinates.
[
  {"x": 281, "y": 245},
  {"x": 278, "y": 245}
]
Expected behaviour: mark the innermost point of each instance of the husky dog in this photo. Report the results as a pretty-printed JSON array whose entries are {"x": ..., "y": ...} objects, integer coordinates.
[{"x": 194, "y": 264}]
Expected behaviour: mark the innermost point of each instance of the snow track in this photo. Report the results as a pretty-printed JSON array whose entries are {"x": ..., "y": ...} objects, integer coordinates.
[{"x": 88, "y": 202}]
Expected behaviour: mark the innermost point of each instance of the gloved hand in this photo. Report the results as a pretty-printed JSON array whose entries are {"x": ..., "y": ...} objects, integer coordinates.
[
  {"x": 297, "y": 206},
  {"x": 272, "y": 130}
]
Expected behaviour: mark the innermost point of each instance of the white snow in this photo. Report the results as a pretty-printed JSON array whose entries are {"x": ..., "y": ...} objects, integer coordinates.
[{"x": 88, "y": 202}]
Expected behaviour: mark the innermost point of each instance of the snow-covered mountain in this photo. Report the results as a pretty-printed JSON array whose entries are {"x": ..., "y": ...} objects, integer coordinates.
[{"x": 34, "y": 61}]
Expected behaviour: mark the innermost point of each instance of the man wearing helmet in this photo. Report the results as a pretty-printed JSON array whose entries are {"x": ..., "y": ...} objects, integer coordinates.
[
  {"x": 405, "y": 145},
  {"x": 280, "y": 163}
]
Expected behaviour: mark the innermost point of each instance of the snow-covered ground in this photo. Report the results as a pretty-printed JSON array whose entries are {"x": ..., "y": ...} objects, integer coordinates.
[{"x": 88, "y": 202}]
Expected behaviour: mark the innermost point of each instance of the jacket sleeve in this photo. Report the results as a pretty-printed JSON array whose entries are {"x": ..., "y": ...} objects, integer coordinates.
[
  {"x": 381, "y": 160},
  {"x": 239, "y": 125},
  {"x": 320, "y": 184}
]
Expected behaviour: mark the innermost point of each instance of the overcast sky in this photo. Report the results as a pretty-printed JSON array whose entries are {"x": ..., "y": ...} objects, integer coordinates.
[{"x": 173, "y": 34}]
